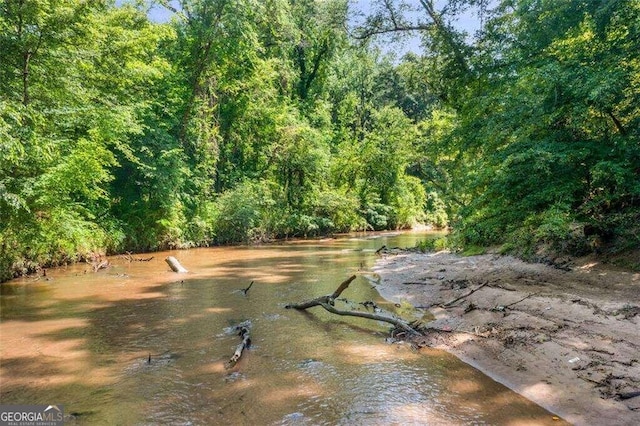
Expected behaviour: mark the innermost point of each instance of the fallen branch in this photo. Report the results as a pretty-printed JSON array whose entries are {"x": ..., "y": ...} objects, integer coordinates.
[
  {"x": 323, "y": 299},
  {"x": 395, "y": 321},
  {"x": 175, "y": 265},
  {"x": 451, "y": 302},
  {"x": 243, "y": 332},
  {"x": 327, "y": 302},
  {"x": 127, "y": 255}
]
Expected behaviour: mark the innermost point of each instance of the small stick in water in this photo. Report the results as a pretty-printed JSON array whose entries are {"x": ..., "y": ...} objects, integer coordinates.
[{"x": 246, "y": 290}]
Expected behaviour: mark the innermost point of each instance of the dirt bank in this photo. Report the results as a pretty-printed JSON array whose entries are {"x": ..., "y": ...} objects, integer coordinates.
[{"x": 568, "y": 339}]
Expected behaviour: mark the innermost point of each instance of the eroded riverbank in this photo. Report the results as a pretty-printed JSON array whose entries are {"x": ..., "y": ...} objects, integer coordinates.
[{"x": 566, "y": 339}]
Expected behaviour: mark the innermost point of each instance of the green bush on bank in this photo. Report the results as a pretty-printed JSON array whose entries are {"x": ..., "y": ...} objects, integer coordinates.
[{"x": 257, "y": 211}]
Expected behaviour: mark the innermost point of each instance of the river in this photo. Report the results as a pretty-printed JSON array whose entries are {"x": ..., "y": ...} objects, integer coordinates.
[{"x": 83, "y": 339}]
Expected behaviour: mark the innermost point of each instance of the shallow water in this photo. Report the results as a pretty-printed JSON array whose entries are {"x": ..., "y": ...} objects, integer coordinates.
[{"x": 83, "y": 340}]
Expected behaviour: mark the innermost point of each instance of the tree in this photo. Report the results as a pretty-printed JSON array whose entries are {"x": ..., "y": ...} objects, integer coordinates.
[
  {"x": 545, "y": 127},
  {"x": 75, "y": 76}
]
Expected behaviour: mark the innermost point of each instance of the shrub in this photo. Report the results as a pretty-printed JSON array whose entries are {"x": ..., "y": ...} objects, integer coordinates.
[
  {"x": 337, "y": 212},
  {"x": 435, "y": 211},
  {"x": 409, "y": 202},
  {"x": 377, "y": 216},
  {"x": 239, "y": 214}
]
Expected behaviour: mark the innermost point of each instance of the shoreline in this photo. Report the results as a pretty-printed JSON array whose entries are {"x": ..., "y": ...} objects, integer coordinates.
[{"x": 567, "y": 339}]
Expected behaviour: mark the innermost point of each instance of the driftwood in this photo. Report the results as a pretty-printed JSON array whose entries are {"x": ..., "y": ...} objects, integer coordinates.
[
  {"x": 469, "y": 293},
  {"x": 243, "y": 332},
  {"x": 175, "y": 265},
  {"x": 327, "y": 302}
]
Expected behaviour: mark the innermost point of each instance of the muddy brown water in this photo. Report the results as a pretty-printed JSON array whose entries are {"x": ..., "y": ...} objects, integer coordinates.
[{"x": 83, "y": 340}]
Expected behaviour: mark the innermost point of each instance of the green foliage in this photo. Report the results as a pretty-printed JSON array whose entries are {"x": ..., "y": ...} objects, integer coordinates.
[
  {"x": 409, "y": 203},
  {"x": 542, "y": 149},
  {"x": 375, "y": 167},
  {"x": 337, "y": 212},
  {"x": 238, "y": 213},
  {"x": 433, "y": 244},
  {"x": 471, "y": 250},
  {"x": 257, "y": 211},
  {"x": 435, "y": 211},
  {"x": 377, "y": 216},
  {"x": 247, "y": 121},
  {"x": 75, "y": 89},
  {"x": 300, "y": 162}
]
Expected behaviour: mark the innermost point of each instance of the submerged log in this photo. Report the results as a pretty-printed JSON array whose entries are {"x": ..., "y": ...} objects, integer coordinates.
[
  {"x": 175, "y": 265},
  {"x": 327, "y": 302},
  {"x": 243, "y": 332}
]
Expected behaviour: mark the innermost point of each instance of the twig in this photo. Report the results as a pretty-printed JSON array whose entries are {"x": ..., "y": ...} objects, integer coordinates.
[
  {"x": 524, "y": 298},
  {"x": 505, "y": 288},
  {"x": 343, "y": 286},
  {"x": 628, "y": 395},
  {"x": 246, "y": 290},
  {"x": 323, "y": 299},
  {"x": 127, "y": 255},
  {"x": 381, "y": 249},
  {"x": 451, "y": 302}
]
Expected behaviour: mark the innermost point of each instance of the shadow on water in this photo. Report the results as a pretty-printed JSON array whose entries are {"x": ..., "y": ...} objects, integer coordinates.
[{"x": 85, "y": 340}]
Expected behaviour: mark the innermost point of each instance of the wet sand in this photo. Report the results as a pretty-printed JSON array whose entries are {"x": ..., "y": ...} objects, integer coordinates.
[{"x": 567, "y": 338}]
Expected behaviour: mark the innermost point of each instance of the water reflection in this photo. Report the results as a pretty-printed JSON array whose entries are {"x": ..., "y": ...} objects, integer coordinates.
[{"x": 138, "y": 344}]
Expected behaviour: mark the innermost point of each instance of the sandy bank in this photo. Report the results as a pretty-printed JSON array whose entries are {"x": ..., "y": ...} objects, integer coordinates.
[{"x": 568, "y": 339}]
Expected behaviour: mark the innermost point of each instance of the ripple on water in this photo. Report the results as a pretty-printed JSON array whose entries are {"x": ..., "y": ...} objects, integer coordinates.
[
  {"x": 293, "y": 419},
  {"x": 318, "y": 370}
]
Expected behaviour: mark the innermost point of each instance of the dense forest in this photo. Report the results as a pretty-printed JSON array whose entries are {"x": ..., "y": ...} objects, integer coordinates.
[{"x": 249, "y": 120}]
